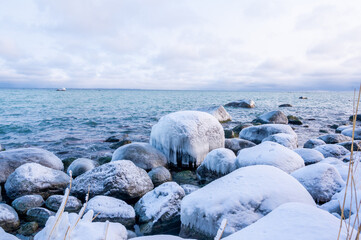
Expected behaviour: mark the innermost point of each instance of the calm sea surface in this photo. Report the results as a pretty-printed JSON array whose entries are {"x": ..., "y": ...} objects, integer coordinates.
[{"x": 75, "y": 123}]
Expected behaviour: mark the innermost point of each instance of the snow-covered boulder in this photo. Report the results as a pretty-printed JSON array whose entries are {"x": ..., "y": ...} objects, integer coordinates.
[
  {"x": 341, "y": 166},
  {"x": 270, "y": 153},
  {"x": 220, "y": 113},
  {"x": 312, "y": 143},
  {"x": 189, "y": 188},
  {"x": 6, "y": 236},
  {"x": 356, "y": 156},
  {"x": 243, "y": 103},
  {"x": 242, "y": 197},
  {"x": 275, "y": 117},
  {"x": 143, "y": 155},
  {"x": 81, "y": 165},
  {"x": 160, "y": 175},
  {"x": 218, "y": 162},
  {"x": 343, "y": 127},
  {"x": 39, "y": 215},
  {"x": 9, "y": 219},
  {"x": 12, "y": 159},
  {"x": 120, "y": 179},
  {"x": 348, "y": 132},
  {"x": 236, "y": 144},
  {"x": 112, "y": 210},
  {"x": 72, "y": 205},
  {"x": 310, "y": 156},
  {"x": 332, "y": 150},
  {"x": 24, "y": 203},
  {"x": 321, "y": 180},
  {"x": 159, "y": 209},
  {"x": 296, "y": 221},
  {"x": 287, "y": 140},
  {"x": 186, "y": 137},
  {"x": 33, "y": 178},
  {"x": 334, "y": 138},
  {"x": 257, "y": 133}
]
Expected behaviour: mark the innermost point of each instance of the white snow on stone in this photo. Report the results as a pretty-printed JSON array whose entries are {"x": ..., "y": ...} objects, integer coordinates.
[
  {"x": 220, "y": 113},
  {"x": 220, "y": 160},
  {"x": 310, "y": 156},
  {"x": 242, "y": 197},
  {"x": 296, "y": 221},
  {"x": 186, "y": 137},
  {"x": 341, "y": 167},
  {"x": 257, "y": 133},
  {"x": 6, "y": 236},
  {"x": 332, "y": 150},
  {"x": 341, "y": 128},
  {"x": 287, "y": 140},
  {"x": 270, "y": 153},
  {"x": 348, "y": 132}
]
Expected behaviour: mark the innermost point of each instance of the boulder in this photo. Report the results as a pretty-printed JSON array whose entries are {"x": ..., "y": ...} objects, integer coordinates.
[
  {"x": 356, "y": 145},
  {"x": 112, "y": 210},
  {"x": 334, "y": 138},
  {"x": 24, "y": 203},
  {"x": 186, "y": 137},
  {"x": 244, "y": 103},
  {"x": 287, "y": 140},
  {"x": 257, "y": 133},
  {"x": 6, "y": 236},
  {"x": 348, "y": 132},
  {"x": 12, "y": 159},
  {"x": 295, "y": 221},
  {"x": 285, "y": 105},
  {"x": 332, "y": 150},
  {"x": 321, "y": 180},
  {"x": 120, "y": 179},
  {"x": 242, "y": 197},
  {"x": 9, "y": 219},
  {"x": 39, "y": 215},
  {"x": 309, "y": 156},
  {"x": 72, "y": 205},
  {"x": 160, "y": 175},
  {"x": 312, "y": 143},
  {"x": 275, "y": 117},
  {"x": 143, "y": 155},
  {"x": 33, "y": 178},
  {"x": 218, "y": 162},
  {"x": 294, "y": 120},
  {"x": 270, "y": 153},
  {"x": 81, "y": 165},
  {"x": 219, "y": 112},
  {"x": 341, "y": 166},
  {"x": 159, "y": 209},
  {"x": 189, "y": 188},
  {"x": 237, "y": 144}
]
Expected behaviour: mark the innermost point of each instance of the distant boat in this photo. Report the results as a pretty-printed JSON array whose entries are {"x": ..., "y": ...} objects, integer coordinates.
[{"x": 61, "y": 89}]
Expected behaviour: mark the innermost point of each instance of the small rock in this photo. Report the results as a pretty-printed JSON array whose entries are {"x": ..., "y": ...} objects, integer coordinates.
[
  {"x": 39, "y": 215},
  {"x": 294, "y": 120},
  {"x": 241, "y": 103},
  {"x": 241, "y": 126},
  {"x": 302, "y": 97},
  {"x": 334, "y": 138},
  {"x": 9, "y": 219},
  {"x": 72, "y": 205},
  {"x": 112, "y": 139},
  {"x": 81, "y": 165},
  {"x": 312, "y": 143},
  {"x": 228, "y": 133},
  {"x": 274, "y": 117},
  {"x": 189, "y": 188},
  {"x": 119, "y": 144},
  {"x": 356, "y": 145},
  {"x": 341, "y": 128},
  {"x": 348, "y": 132},
  {"x": 237, "y": 144},
  {"x": 24, "y": 203},
  {"x": 323, "y": 131},
  {"x": 160, "y": 175},
  {"x": 334, "y": 126},
  {"x": 310, "y": 156},
  {"x": 28, "y": 229},
  {"x": 332, "y": 150},
  {"x": 285, "y": 105}
]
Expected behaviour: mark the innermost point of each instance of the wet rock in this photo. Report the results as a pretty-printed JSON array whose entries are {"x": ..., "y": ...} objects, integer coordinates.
[
  {"x": 24, "y": 203},
  {"x": 67, "y": 162},
  {"x": 334, "y": 138},
  {"x": 323, "y": 131},
  {"x": 332, "y": 150},
  {"x": 9, "y": 219},
  {"x": 294, "y": 120},
  {"x": 241, "y": 126},
  {"x": 310, "y": 156},
  {"x": 241, "y": 103},
  {"x": 312, "y": 143},
  {"x": 257, "y": 133},
  {"x": 275, "y": 117},
  {"x": 302, "y": 97},
  {"x": 228, "y": 133},
  {"x": 39, "y": 215},
  {"x": 189, "y": 188},
  {"x": 237, "y": 144},
  {"x": 285, "y": 105},
  {"x": 119, "y": 144},
  {"x": 185, "y": 177},
  {"x": 104, "y": 160},
  {"x": 81, "y": 165},
  {"x": 287, "y": 140},
  {"x": 160, "y": 175},
  {"x": 112, "y": 139},
  {"x": 72, "y": 205},
  {"x": 28, "y": 229},
  {"x": 219, "y": 113}
]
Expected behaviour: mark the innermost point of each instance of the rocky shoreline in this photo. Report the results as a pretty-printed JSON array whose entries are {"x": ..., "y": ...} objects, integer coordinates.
[{"x": 189, "y": 177}]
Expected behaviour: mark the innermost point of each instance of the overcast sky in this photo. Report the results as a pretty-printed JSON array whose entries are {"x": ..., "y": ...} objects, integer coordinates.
[{"x": 181, "y": 44}]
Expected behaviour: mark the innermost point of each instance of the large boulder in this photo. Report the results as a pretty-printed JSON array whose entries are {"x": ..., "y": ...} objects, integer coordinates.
[
  {"x": 242, "y": 197},
  {"x": 220, "y": 113},
  {"x": 218, "y": 162},
  {"x": 295, "y": 221},
  {"x": 120, "y": 179},
  {"x": 321, "y": 180},
  {"x": 143, "y": 155},
  {"x": 276, "y": 117},
  {"x": 24, "y": 203},
  {"x": 33, "y": 178},
  {"x": 257, "y": 133},
  {"x": 270, "y": 153},
  {"x": 287, "y": 140},
  {"x": 112, "y": 210},
  {"x": 334, "y": 138},
  {"x": 81, "y": 165},
  {"x": 348, "y": 132},
  {"x": 159, "y": 175},
  {"x": 236, "y": 144},
  {"x": 72, "y": 205},
  {"x": 309, "y": 156},
  {"x": 244, "y": 103},
  {"x": 312, "y": 143},
  {"x": 159, "y": 209},
  {"x": 9, "y": 219},
  {"x": 332, "y": 150},
  {"x": 186, "y": 137},
  {"x": 12, "y": 159}
]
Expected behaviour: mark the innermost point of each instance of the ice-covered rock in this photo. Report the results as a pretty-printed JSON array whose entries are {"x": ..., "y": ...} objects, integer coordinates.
[
  {"x": 6, "y": 236},
  {"x": 275, "y": 117},
  {"x": 321, "y": 180},
  {"x": 189, "y": 188},
  {"x": 72, "y": 205},
  {"x": 296, "y": 221},
  {"x": 270, "y": 153},
  {"x": 120, "y": 179},
  {"x": 310, "y": 156},
  {"x": 112, "y": 210},
  {"x": 242, "y": 197},
  {"x": 12, "y": 159},
  {"x": 218, "y": 162},
  {"x": 24, "y": 203},
  {"x": 343, "y": 127},
  {"x": 287, "y": 140},
  {"x": 160, "y": 175},
  {"x": 9, "y": 219},
  {"x": 143, "y": 155},
  {"x": 220, "y": 113},
  {"x": 159, "y": 209},
  {"x": 33, "y": 178},
  {"x": 257, "y": 133},
  {"x": 356, "y": 156},
  {"x": 236, "y": 144},
  {"x": 39, "y": 215},
  {"x": 334, "y": 138},
  {"x": 312, "y": 143},
  {"x": 243, "y": 103},
  {"x": 348, "y": 145},
  {"x": 341, "y": 166},
  {"x": 186, "y": 137},
  {"x": 81, "y": 165},
  {"x": 348, "y": 132},
  {"x": 332, "y": 150}
]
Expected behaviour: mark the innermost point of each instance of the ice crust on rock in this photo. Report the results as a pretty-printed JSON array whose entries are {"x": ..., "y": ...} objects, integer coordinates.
[
  {"x": 242, "y": 197},
  {"x": 270, "y": 153},
  {"x": 341, "y": 166},
  {"x": 287, "y": 140},
  {"x": 257, "y": 133},
  {"x": 334, "y": 138},
  {"x": 296, "y": 221},
  {"x": 186, "y": 137},
  {"x": 332, "y": 150},
  {"x": 348, "y": 132},
  {"x": 310, "y": 156},
  {"x": 312, "y": 143},
  {"x": 219, "y": 112}
]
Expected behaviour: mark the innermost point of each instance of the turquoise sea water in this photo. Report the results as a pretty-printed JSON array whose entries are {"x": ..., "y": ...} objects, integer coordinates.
[{"x": 75, "y": 123}]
